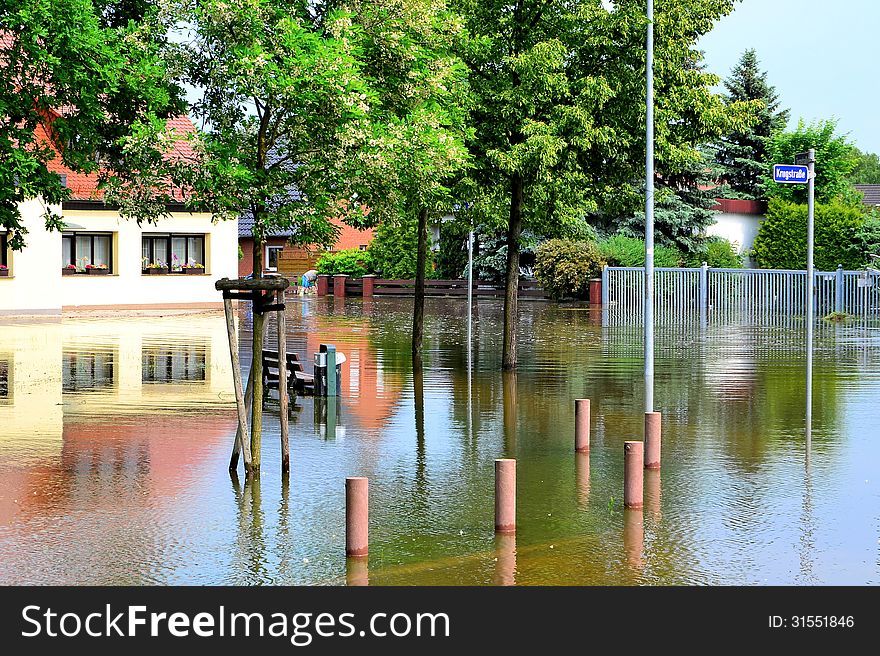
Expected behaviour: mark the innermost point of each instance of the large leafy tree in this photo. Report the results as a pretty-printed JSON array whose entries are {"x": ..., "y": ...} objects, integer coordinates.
[
  {"x": 741, "y": 155},
  {"x": 835, "y": 161},
  {"x": 418, "y": 117},
  {"x": 70, "y": 90},
  {"x": 560, "y": 110}
]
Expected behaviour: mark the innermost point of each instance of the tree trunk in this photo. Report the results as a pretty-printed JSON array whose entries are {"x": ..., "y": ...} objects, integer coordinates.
[
  {"x": 419, "y": 303},
  {"x": 258, "y": 257},
  {"x": 514, "y": 228}
]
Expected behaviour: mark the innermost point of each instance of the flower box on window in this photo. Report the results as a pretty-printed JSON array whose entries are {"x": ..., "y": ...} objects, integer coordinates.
[
  {"x": 97, "y": 270},
  {"x": 69, "y": 270},
  {"x": 155, "y": 271},
  {"x": 4, "y": 272},
  {"x": 192, "y": 269}
]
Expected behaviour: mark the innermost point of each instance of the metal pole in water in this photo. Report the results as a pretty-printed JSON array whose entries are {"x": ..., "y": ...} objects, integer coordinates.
[
  {"x": 649, "y": 216},
  {"x": 811, "y": 282}
]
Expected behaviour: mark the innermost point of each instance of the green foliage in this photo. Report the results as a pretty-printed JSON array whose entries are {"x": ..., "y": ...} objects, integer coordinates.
[
  {"x": 740, "y": 156},
  {"x": 835, "y": 161},
  {"x": 353, "y": 262},
  {"x": 84, "y": 83},
  {"x": 868, "y": 234},
  {"x": 781, "y": 242},
  {"x": 867, "y": 168},
  {"x": 622, "y": 250},
  {"x": 452, "y": 256},
  {"x": 716, "y": 252},
  {"x": 393, "y": 249},
  {"x": 564, "y": 268}
]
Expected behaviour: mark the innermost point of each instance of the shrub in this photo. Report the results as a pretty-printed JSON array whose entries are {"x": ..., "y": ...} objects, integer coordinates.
[
  {"x": 781, "y": 242},
  {"x": 564, "y": 267},
  {"x": 353, "y": 262},
  {"x": 394, "y": 250},
  {"x": 868, "y": 235},
  {"x": 716, "y": 252},
  {"x": 620, "y": 250}
]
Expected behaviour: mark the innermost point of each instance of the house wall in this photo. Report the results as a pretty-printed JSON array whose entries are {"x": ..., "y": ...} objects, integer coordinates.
[
  {"x": 739, "y": 229},
  {"x": 37, "y": 285},
  {"x": 32, "y": 285}
]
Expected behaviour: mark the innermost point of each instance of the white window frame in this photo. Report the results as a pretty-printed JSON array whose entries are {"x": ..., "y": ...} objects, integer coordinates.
[{"x": 268, "y": 248}]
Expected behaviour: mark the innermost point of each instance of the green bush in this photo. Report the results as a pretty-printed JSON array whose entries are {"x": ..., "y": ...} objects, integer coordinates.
[
  {"x": 781, "y": 242},
  {"x": 716, "y": 252},
  {"x": 620, "y": 250},
  {"x": 564, "y": 267},
  {"x": 353, "y": 262},
  {"x": 394, "y": 250},
  {"x": 868, "y": 235}
]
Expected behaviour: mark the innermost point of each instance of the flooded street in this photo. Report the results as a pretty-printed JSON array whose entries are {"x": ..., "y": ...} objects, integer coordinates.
[{"x": 115, "y": 436}]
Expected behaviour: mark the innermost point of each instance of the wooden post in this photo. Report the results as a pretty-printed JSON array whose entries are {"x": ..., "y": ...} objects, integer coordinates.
[
  {"x": 237, "y": 447},
  {"x": 282, "y": 384},
  {"x": 242, "y": 432},
  {"x": 257, "y": 376}
]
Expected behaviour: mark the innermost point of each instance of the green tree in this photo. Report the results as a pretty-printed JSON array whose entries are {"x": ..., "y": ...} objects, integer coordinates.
[
  {"x": 835, "y": 161},
  {"x": 407, "y": 50},
  {"x": 781, "y": 242},
  {"x": 70, "y": 91},
  {"x": 741, "y": 156},
  {"x": 867, "y": 168},
  {"x": 559, "y": 112}
]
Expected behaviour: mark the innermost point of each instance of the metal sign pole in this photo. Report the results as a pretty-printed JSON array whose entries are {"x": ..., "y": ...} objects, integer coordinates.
[
  {"x": 470, "y": 293},
  {"x": 811, "y": 282},
  {"x": 649, "y": 217}
]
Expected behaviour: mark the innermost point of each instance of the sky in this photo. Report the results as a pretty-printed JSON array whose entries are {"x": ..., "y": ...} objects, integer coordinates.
[{"x": 822, "y": 56}]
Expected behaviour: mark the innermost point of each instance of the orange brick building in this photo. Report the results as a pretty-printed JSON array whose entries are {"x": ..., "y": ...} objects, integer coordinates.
[{"x": 292, "y": 261}]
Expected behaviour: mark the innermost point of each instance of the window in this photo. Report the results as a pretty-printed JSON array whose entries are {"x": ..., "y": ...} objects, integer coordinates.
[
  {"x": 273, "y": 253},
  {"x": 86, "y": 248},
  {"x": 172, "y": 251},
  {"x": 362, "y": 247},
  {"x": 3, "y": 247}
]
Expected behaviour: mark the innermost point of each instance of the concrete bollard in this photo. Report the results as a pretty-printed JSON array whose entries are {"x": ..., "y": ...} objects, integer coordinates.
[
  {"x": 357, "y": 514},
  {"x": 339, "y": 285},
  {"x": 369, "y": 282},
  {"x": 323, "y": 284},
  {"x": 633, "y": 474},
  {"x": 652, "y": 440},
  {"x": 582, "y": 425},
  {"x": 595, "y": 291},
  {"x": 505, "y": 495}
]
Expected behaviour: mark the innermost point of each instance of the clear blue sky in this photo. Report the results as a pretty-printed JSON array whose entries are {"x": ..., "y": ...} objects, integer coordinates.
[{"x": 823, "y": 57}]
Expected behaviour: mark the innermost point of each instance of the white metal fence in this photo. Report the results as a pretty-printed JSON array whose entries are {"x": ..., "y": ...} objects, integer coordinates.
[{"x": 736, "y": 295}]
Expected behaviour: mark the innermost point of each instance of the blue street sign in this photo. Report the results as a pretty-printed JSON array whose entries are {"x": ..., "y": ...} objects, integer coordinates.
[{"x": 790, "y": 174}]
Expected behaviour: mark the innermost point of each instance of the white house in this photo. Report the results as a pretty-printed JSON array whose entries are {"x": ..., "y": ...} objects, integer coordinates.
[{"x": 103, "y": 260}]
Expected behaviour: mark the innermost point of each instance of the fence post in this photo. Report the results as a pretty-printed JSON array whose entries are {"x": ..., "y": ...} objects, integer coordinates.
[
  {"x": 605, "y": 290},
  {"x": 704, "y": 291},
  {"x": 838, "y": 289}
]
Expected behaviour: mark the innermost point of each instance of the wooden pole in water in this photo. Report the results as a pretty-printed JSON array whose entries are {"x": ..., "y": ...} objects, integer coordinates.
[
  {"x": 582, "y": 425},
  {"x": 237, "y": 445},
  {"x": 257, "y": 376},
  {"x": 282, "y": 383},
  {"x": 505, "y": 495},
  {"x": 357, "y": 516},
  {"x": 242, "y": 437},
  {"x": 633, "y": 474}
]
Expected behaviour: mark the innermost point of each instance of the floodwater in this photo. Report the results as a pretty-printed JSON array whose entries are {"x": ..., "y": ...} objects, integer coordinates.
[{"x": 115, "y": 435}]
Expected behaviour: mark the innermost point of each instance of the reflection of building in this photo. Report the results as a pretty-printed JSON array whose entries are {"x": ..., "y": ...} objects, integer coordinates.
[
  {"x": 101, "y": 259},
  {"x": 105, "y": 409}
]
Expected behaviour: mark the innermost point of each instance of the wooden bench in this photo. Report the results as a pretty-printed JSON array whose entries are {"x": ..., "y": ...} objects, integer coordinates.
[{"x": 297, "y": 378}]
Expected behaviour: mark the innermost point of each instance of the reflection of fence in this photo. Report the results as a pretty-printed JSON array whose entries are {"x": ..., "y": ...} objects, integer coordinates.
[
  {"x": 384, "y": 287},
  {"x": 731, "y": 295}
]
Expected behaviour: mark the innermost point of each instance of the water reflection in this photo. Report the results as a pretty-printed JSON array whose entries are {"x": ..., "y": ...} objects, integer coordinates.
[{"x": 113, "y": 466}]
